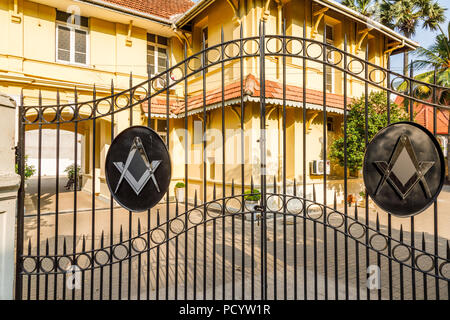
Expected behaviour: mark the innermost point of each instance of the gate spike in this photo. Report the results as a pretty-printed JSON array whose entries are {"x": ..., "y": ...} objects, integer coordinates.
[
  {"x": 195, "y": 199},
  {"x": 274, "y": 184},
  {"x": 314, "y": 192},
  {"x": 241, "y": 31},
  {"x": 295, "y": 187},
  {"x": 251, "y": 185},
  {"x": 423, "y": 241},
  {"x": 102, "y": 240},
  {"x": 94, "y": 91},
  {"x": 448, "y": 250},
  {"x": 221, "y": 34},
  {"x": 378, "y": 222},
  {"x": 83, "y": 248},
  {"x": 176, "y": 207},
  {"x": 157, "y": 217},
  {"x": 139, "y": 226},
  {"x": 335, "y": 201},
  {"x": 214, "y": 191},
  {"x": 356, "y": 211},
  {"x": 401, "y": 233},
  {"x": 232, "y": 188},
  {"x": 121, "y": 234},
  {"x": 29, "y": 246},
  {"x": 64, "y": 246},
  {"x": 46, "y": 247}
]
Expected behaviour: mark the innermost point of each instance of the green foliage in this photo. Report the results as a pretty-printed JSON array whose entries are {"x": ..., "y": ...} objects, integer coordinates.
[
  {"x": 29, "y": 169},
  {"x": 180, "y": 185},
  {"x": 377, "y": 119},
  {"x": 253, "y": 195},
  {"x": 70, "y": 170}
]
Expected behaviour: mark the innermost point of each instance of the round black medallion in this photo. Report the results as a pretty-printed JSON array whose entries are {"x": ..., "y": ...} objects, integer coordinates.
[
  {"x": 138, "y": 168},
  {"x": 403, "y": 169}
]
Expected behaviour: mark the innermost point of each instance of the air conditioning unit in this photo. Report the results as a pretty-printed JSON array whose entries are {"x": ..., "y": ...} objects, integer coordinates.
[{"x": 317, "y": 167}]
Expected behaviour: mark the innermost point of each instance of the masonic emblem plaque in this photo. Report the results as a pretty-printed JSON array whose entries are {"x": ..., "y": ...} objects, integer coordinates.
[
  {"x": 403, "y": 169},
  {"x": 138, "y": 168}
]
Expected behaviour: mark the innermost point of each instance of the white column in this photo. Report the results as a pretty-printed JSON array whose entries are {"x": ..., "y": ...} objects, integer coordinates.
[{"x": 9, "y": 184}]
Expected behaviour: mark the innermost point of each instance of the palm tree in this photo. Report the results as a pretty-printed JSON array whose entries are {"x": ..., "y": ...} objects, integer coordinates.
[
  {"x": 437, "y": 57},
  {"x": 365, "y": 7},
  {"x": 407, "y": 15}
]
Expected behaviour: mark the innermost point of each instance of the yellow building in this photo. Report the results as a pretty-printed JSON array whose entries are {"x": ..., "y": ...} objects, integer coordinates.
[{"x": 54, "y": 46}]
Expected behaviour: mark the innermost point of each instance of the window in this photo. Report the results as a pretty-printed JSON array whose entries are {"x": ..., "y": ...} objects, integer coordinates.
[
  {"x": 329, "y": 30},
  {"x": 160, "y": 126},
  {"x": 330, "y": 123},
  {"x": 156, "y": 53},
  {"x": 71, "y": 38}
]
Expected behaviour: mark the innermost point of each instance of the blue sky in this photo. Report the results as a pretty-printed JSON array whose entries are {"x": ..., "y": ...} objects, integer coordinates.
[{"x": 424, "y": 37}]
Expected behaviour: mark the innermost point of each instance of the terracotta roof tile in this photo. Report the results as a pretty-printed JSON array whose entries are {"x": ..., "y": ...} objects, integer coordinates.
[
  {"x": 274, "y": 90},
  {"x": 424, "y": 116},
  {"x": 160, "y": 8}
]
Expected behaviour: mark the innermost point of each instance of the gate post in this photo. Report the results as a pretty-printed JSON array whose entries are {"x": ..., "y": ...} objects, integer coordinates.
[{"x": 9, "y": 184}]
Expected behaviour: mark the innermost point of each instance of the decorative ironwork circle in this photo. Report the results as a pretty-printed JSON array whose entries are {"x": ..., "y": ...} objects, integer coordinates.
[
  {"x": 176, "y": 225},
  {"x": 64, "y": 263},
  {"x": 120, "y": 252},
  {"x": 29, "y": 264},
  {"x": 333, "y": 224},
  {"x": 403, "y": 169},
  {"x": 351, "y": 66},
  {"x": 233, "y": 205},
  {"x": 158, "y": 236},
  {"x": 47, "y": 264},
  {"x": 139, "y": 244},
  {"x": 352, "y": 226},
  {"x": 374, "y": 245},
  {"x": 83, "y": 261},
  {"x": 441, "y": 269},
  {"x": 274, "y": 42},
  {"x": 312, "y": 45},
  {"x": 312, "y": 213},
  {"x": 232, "y": 46},
  {"x": 102, "y": 257},
  {"x": 372, "y": 75},
  {"x": 195, "y": 216},
  {"x": 290, "y": 44},
  {"x": 214, "y": 209},
  {"x": 138, "y": 168},
  {"x": 395, "y": 252},
  {"x": 244, "y": 47},
  {"x": 421, "y": 257},
  {"x": 294, "y": 206},
  {"x": 274, "y": 203}
]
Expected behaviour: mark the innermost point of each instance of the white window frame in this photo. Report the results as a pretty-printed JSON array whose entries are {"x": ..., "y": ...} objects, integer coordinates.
[
  {"x": 72, "y": 28},
  {"x": 332, "y": 59},
  {"x": 158, "y": 45}
]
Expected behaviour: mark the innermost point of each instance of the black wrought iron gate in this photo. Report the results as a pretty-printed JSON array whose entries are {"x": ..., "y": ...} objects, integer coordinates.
[{"x": 216, "y": 243}]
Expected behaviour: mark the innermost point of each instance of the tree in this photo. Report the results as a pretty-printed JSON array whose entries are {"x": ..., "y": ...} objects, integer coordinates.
[
  {"x": 407, "y": 15},
  {"x": 365, "y": 7},
  {"x": 377, "y": 119},
  {"x": 437, "y": 58}
]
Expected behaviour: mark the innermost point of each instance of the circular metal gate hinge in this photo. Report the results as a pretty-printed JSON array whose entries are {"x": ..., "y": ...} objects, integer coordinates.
[
  {"x": 138, "y": 168},
  {"x": 403, "y": 169}
]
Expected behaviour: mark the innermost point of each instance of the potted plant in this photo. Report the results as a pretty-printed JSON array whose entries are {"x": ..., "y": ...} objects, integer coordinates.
[
  {"x": 251, "y": 199},
  {"x": 73, "y": 174},
  {"x": 179, "y": 191}
]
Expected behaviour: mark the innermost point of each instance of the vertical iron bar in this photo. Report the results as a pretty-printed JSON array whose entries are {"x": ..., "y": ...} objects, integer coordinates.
[
  {"x": 389, "y": 248},
  {"x": 167, "y": 193},
  {"x": 186, "y": 168},
  {"x": 38, "y": 231},
  {"x": 366, "y": 141},
  {"x": 345, "y": 172},
  {"x": 111, "y": 201},
  {"x": 263, "y": 161},
  {"x": 435, "y": 205},
  {"x": 324, "y": 133},
  {"x": 94, "y": 95},
  {"x": 75, "y": 185},
  {"x": 284, "y": 165},
  {"x": 241, "y": 63},
  {"x": 20, "y": 201},
  {"x": 130, "y": 213},
  {"x": 411, "y": 118},
  {"x": 305, "y": 268},
  {"x": 149, "y": 124},
  {"x": 58, "y": 128}
]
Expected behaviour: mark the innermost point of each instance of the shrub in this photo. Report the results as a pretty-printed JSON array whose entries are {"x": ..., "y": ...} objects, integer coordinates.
[
  {"x": 70, "y": 170},
  {"x": 180, "y": 185},
  {"x": 29, "y": 169},
  {"x": 252, "y": 195}
]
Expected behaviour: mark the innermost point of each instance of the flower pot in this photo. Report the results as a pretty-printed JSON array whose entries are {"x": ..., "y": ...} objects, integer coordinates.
[
  {"x": 250, "y": 206},
  {"x": 179, "y": 194}
]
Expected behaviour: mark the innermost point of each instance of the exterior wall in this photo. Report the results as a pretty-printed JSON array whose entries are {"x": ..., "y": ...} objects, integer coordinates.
[{"x": 28, "y": 62}]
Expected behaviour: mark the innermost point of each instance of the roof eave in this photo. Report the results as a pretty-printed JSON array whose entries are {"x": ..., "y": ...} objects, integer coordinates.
[{"x": 123, "y": 9}]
